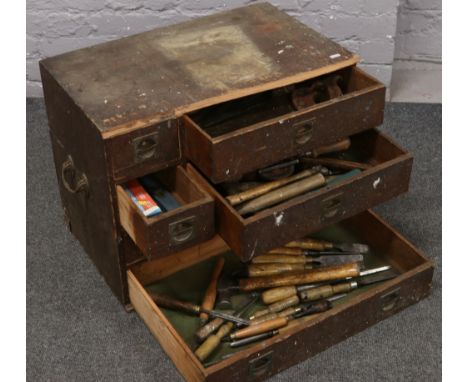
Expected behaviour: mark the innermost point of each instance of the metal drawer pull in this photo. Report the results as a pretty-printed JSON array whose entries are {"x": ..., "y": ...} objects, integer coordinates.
[
  {"x": 304, "y": 132},
  {"x": 331, "y": 206},
  {"x": 182, "y": 231},
  {"x": 390, "y": 299},
  {"x": 260, "y": 365},
  {"x": 145, "y": 147},
  {"x": 79, "y": 183}
]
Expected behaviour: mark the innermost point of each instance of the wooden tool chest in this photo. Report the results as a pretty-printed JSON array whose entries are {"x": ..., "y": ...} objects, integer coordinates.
[{"x": 203, "y": 104}]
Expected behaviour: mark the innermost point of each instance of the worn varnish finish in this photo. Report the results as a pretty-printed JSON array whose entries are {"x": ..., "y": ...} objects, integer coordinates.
[
  {"x": 229, "y": 156},
  {"x": 171, "y": 231},
  {"x": 164, "y": 73},
  {"x": 306, "y": 339},
  {"x": 89, "y": 215},
  {"x": 292, "y": 219}
]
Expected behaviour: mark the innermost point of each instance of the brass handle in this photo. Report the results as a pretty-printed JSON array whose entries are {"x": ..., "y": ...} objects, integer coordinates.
[{"x": 79, "y": 183}]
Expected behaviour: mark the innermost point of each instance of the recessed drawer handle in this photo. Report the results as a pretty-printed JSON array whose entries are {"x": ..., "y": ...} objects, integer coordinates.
[
  {"x": 182, "y": 231},
  {"x": 331, "y": 206},
  {"x": 260, "y": 365},
  {"x": 390, "y": 300},
  {"x": 145, "y": 147},
  {"x": 73, "y": 182},
  {"x": 304, "y": 131}
]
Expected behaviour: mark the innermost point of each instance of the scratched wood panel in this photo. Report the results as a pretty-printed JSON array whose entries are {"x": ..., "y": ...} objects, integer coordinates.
[{"x": 157, "y": 75}]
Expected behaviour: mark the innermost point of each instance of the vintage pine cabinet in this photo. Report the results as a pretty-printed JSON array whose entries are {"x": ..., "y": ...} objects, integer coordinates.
[{"x": 143, "y": 104}]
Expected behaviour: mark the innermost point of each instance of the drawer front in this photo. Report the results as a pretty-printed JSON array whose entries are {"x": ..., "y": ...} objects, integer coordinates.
[
  {"x": 229, "y": 156},
  {"x": 266, "y": 358},
  {"x": 290, "y": 220},
  {"x": 171, "y": 231},
  {"x": 145, "y": 150}
]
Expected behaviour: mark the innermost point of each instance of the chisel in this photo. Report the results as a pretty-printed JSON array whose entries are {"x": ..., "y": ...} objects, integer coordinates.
[
  {"x": 279, "y": 322},
  {"x": 170, "y": 303},
  {"x": 274, "y": 295},
  {"x": 322, "y": 245},
  {"x": 292, "y": 251},
  {"x": 280, "y": 265}
]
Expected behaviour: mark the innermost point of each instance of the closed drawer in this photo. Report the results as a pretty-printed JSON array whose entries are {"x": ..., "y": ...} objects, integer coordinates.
[
  {"x": 174, "y": 230},
  {"x": 145, "y": 150},
  {"x": 228, "y": 140},
  {"x": 357, "y": 311},
  {"x": 387, "y": 177}
]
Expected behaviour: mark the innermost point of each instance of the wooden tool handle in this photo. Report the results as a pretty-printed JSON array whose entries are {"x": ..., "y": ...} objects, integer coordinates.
[
  {"x": 276, "y": 294},
  {"x": 171, "y": 303},
  {"x": 336, "y": 163},
  {"x": 334, "y": 147},
  {"x": 283, "y": 193},
  {"x": 284, "y": 313},
  {"x": 336, "y": 272},
  {"x": 266, "y": 326},
  {"x": 325, "y": 291},
  {"x": 285, "y": 259},
  {"x": 312, "y": 244},
  {"x": 278, "y": 306},
  {"x": 203, "y": 333},
  {"x": 213, "y": 341},
  {"x": 260, "y": 270},
  {"x": 262, "y": 189},
  {"x": 287, "y": 251},
  {"x": 210, "y": 294}
]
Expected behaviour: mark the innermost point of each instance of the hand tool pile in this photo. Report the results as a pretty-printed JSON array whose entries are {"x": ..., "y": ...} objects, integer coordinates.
[
  {"x": 282, "y": 288},
  {"x": 275, "y": 184}
]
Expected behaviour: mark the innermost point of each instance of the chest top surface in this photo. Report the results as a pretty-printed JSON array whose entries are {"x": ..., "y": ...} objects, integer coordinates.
[{"x": 128, "y": 83}]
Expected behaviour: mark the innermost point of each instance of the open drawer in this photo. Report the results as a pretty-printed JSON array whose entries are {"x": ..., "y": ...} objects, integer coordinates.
[
  {"x": 360, "y": 309},
  {"x": 174, "y": 230},
  {"x": 387, "y": 177},
  {"x": 230, "y": 139}
]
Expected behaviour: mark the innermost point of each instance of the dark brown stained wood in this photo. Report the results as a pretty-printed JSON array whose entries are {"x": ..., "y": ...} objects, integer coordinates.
[
  {"x": 294, "y": 218},
  {"x": 235, "y": 153},
  {"x": 155, "y": 235},
  {"x": 306, "y": 339},
  {"x": 127, "y": 162},
  {"x": 164, "y": 73},
  {"x": 91, "y": 217}
]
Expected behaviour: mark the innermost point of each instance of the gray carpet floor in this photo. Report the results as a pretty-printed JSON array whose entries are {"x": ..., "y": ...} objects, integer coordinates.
[{"x": 78, "y": 331}]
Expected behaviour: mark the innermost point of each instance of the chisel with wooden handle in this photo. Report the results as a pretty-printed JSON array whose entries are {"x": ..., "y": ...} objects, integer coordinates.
[
  {"x": 262, "y": 189},
  {"x": 300, "y": 277},
  {"x": 322, "y": 245},
  {"x": 293, "y": 251},
  {"x": 343, "y": 145},
  {"x": 294, "y": 310},
  {"x": 281, "y": 265},
  {"x": 279, "y": 322},
  {"x": 210, "y": 294},
  {"x": 171, "y": 303},
  {"x": 281, "y": 194},
  {"x": 210, "y": 327},
  {"x": 274, "y": 295}
]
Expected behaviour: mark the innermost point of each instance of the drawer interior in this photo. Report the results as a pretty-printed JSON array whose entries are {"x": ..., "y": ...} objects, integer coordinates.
[
  {"x": 371, "y": 148},
  {"x": 231, "y": 116},
  {"x": 148, "y": 232},
  {"x": 386, "y": 248}
]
